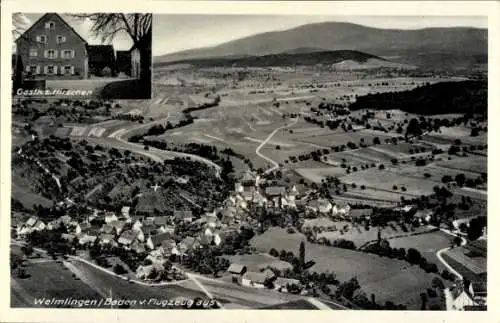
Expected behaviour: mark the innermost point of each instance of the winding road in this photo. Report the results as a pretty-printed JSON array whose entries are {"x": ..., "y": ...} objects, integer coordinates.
[
  {"x": 257, "y": 150},
  {"x": 440, "y": 257},
  {"x": 116, "y": 140}
]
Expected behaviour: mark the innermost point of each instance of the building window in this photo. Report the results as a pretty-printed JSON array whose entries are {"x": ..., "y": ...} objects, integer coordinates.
[
  {"x": 42, "y": 39},
  {"x": 68, "y": 69},
  {"x": 68, "y": 53},
  {"x": 50, "y": 25},
  {"x": 51, "y": 69},
  {"x": 51, "y": 53},
  {"x": 33, "y": 52},
  {"x": 32, "y": 69},
  {"x": 61, "y": 39}
]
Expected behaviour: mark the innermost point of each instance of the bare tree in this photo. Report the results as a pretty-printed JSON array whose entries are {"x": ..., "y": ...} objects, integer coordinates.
[{"x": 137, "y": 25}]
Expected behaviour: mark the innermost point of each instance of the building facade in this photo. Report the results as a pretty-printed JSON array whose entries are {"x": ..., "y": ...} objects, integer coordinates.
[{"x": 51, "y": 48}]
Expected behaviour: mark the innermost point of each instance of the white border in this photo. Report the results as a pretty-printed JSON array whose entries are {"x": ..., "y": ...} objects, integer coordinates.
[{"x": 338, "y": 8}]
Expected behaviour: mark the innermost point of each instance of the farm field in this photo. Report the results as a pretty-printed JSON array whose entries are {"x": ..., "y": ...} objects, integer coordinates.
[
  {"x": 27, "y": 198},
  {"x": 388, "y": 279},
  {"x": 317, "y": 174},
  {"x": 360, "y": 236},
  {"x": 436, "y": 171},
  {"x": 362, "y": 156},
  {"x": 340, "y": 137},
  {"x": 121, "y": 289},
  {"x": 385, "y": 180},
  {"x": 259, "y": 261},
  {"x": 375, "y": 194},
  {"x": 428, "y": 244},
  {"x": 477, "y": 265},
  {"x": 475, "y": 164},
  {"x": 462, "y": 133},
  {"x": 48, "y": 279}
]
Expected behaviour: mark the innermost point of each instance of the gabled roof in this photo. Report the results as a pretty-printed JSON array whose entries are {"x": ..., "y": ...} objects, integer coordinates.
[
  {"x": 107, "y": 228},
  {"x": 181, "y": 215},
  {"x": 159, "y": 238},
  {"x": 237, "y": 269},
  {"x": 160, "y": 220},
  {"x": 248, "y": 177},
  {"x": 58, "y": 16},
  {"x": 255, "y": 277}
]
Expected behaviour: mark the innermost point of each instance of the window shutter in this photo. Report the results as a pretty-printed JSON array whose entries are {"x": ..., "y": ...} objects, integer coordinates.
[
  {"x": 72, "y": 54},
  {"x": 45, "y": 70},
  {"x": 27, "y": 68},
  {"x": 62, "y": 54},
  {"x": 72, "y": 70},
  {"x": 45, "y": 53},
  {"x": 47, "y": 25},
  {"x": 64, "y": 39},
  {"x": 38, "y": 39},
  {"x": 55, "y": 69},
  {"x": 55, "y": 53},
  {"x": 38, "y": 69}
]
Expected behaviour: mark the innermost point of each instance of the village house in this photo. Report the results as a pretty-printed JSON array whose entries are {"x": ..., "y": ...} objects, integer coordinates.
[
  {"x": 125, "y": 211},
  {"x": 237, "y": 271},
  {"x": 65, "y": 219},
  {"x": 247, "y": 195},
  {"x": 108, "y": 229},
  {"x": 138, "y": 247},
  {"x": 118, "y": 226},
  {"x": 283, "y": 284},
  {"x": 478, "y": 292},
  {"x": 319, "y": 205},
  {"x": 183, "y": 216},
  {"x": 188, "y": 243},
  {"x": 275, "y": 191},
  {"x": 110, "y": 217},
  {"x": 88, "y": 237},
  {"x": 158, "y": 239},
  {"x": 270, "y": 275},
  {"x": 423, "y": 217},
  {"x": 160, "y": 221},
  {"x": 460, "y": 298},
  {"x": 249, "y": 179},
  {"x": 52, "y": 48},
  {"x": 340, "y": 209},
  {"x": 139, "y": 234},
  {"x": 27, "y": 226},
  {"x": 127, "y": 238},
  {"x": 239, "y": 188},
  {"x": 54, "y": 224},
  {"x": 148, "y": 230},
  {"x": 107, "y": 239},
  {"x": 82, "y": 227},
  {"x": 169, "y": 247},
  {"x": 254, "y": 279},
  {"x": 68, "y": 237}
]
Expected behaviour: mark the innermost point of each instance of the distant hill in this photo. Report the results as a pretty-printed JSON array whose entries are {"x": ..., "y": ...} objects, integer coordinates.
[
  {"x": 423, "y": 46},
  {"x": 440, "y": 98},
  {"x": 342, "y": 59}
]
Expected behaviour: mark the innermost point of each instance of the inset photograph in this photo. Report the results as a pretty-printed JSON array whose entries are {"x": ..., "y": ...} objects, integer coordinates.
[{"x": 84, "y": 55}]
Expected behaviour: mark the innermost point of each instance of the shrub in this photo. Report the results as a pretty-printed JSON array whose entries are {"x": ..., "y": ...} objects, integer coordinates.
[{"x": 106, "y": 72}]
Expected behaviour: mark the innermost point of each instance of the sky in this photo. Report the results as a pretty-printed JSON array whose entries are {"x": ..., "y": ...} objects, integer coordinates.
[
  {"x": 122, "y": 40},
  {"x": 173, "y": 33}
]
